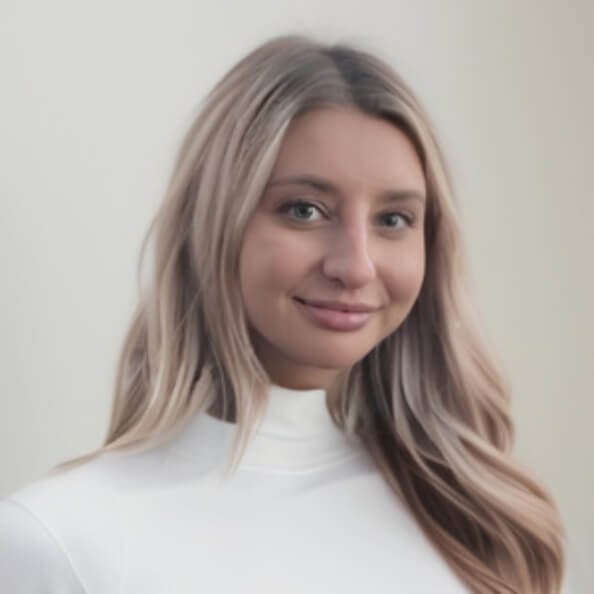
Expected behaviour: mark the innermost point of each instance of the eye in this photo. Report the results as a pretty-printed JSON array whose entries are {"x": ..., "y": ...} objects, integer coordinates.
[
  {"x": 393, "y": 217},
  {"x": 301, "y": 209}
]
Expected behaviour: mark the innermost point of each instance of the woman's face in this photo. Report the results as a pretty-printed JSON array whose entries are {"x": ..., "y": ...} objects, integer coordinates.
[{"x": 341, "y": 219}]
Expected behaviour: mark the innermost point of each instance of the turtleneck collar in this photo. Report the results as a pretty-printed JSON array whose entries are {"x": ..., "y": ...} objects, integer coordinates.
[{"x": 296, "y": 434}]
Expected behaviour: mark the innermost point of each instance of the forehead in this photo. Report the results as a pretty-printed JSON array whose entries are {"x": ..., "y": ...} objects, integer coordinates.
[{"x": 351, "y": 148}]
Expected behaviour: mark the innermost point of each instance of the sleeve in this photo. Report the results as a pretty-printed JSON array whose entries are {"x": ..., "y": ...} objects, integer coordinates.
[{"x": 31, "y": 560}]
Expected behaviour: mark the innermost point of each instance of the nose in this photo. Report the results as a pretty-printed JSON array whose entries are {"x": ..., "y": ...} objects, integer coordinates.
[{"x": 347, "y": 258}]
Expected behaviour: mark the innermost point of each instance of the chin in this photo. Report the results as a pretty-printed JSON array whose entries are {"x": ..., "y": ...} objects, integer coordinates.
[{"x": 333, "y": 360}]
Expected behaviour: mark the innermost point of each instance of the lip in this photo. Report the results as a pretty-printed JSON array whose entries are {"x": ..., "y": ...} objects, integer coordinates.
[
  {"x": 334, "y": 319},
  {"x": 338, "y": 305}
]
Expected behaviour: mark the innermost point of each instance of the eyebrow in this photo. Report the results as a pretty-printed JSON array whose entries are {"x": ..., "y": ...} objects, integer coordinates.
[{"x": 325, "y": 186}]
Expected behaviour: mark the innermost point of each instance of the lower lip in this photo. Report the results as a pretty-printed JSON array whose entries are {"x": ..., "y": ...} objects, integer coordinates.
[{"x": 333, "y": 319}]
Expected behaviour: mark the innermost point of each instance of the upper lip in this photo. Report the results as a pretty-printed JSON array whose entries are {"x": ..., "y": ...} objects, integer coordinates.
[{"x": 338, "y": 305}]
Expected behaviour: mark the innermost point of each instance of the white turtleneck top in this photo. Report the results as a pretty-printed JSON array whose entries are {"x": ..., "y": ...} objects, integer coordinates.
[{"x": 306, "y": 512}]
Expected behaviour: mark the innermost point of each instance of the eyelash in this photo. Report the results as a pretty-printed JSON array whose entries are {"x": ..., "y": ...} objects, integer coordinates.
[{"x": 287, "y": 206}]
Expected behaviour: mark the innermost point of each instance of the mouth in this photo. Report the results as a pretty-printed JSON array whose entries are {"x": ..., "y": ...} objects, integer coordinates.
[
  {"x": 333, "y": 319},
  {"x": 338, "y": 305}
]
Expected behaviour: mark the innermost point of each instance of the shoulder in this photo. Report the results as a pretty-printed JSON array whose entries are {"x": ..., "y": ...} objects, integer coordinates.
[
  {"x": 66, "y": 531},
  {"x": 31, "y": 561}
]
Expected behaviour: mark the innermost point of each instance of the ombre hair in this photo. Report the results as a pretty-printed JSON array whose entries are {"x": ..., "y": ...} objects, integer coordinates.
[{"x": 429, "y": 402}]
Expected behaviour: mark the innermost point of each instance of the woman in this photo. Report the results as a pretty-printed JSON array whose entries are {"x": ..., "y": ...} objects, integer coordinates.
[{"x": 304, "y": 402}]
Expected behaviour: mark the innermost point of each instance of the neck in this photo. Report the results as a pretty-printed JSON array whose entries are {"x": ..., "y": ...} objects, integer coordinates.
[
  {"x": 295, "y": 433},
  {"x": 229, "y": 413}
]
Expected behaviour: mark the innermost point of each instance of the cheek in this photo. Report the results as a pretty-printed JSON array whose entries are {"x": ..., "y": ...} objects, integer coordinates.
[
  {"x": 404, "y": 275},
  {"x": 270, "y": 266}
]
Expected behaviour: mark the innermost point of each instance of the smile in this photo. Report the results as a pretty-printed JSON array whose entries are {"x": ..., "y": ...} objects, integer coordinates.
[{"x": 333, "y": 319}]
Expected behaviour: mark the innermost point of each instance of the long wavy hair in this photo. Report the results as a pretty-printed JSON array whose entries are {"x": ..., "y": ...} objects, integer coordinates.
[{"x": 429, "y": 402}]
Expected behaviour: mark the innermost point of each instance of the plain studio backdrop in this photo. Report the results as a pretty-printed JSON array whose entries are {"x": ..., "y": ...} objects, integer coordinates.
[{"x": 96, "y": 97}]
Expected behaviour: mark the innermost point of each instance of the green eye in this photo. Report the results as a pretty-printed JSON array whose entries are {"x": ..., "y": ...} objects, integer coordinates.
[
  {"x": 300, "y": 209},
  {"x": 303, "y": 211},
  {"x": 392, "y": 215}
]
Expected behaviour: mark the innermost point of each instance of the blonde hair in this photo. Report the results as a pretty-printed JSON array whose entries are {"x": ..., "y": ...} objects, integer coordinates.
[{"x": 429, "y": 401}]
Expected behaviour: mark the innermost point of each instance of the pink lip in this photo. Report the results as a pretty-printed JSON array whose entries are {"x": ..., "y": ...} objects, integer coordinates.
[
  {"x": 333, "y": 319},
  {"x": 338, "y": 305}
]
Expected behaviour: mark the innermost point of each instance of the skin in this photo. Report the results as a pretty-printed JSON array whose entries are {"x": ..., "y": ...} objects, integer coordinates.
[{"x": 346, "y": 245}]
